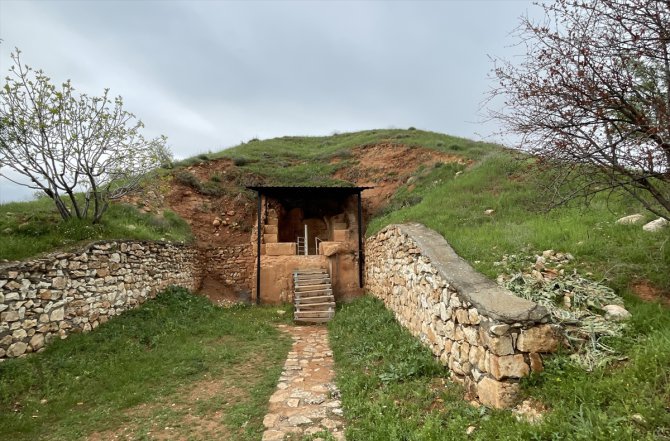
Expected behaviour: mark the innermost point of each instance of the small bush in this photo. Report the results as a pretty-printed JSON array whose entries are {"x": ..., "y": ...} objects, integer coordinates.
[
  {"x": 412, "y": 128},
  {"x": 240, "y": 161},
  {"x": 187, "y": 178}
]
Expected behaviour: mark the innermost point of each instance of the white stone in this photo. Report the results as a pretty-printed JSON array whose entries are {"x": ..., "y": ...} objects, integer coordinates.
[
  {"x": 630, "y": 220},
  {"x": 616, "y": 313},
  {"x": 656, "y": 225}
]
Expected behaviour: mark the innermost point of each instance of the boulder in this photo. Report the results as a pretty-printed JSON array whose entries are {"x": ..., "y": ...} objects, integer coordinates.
[
  {"x": 633, "y": 219},
  {"x": 616, "y": 313},
  {"x": 497, "y": 394},
  {"x": 656, "y": 225}
]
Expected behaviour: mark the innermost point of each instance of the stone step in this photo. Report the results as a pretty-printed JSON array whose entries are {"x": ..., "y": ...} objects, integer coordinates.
[
  {"x": 313, "y": 299},
  {"x": 312, "y": 287},
  {"x": 313, "y": 296},
  {"x": 324, "y": 306},
  {"x": 311, "y": 320},
  {"x": 312, "y": 278},
  {"x": 309, "y": 283},
  {"x": 311, "y": 271},
  {"x": 314, "y": 314},
  {"x": 312, "y": 292}
]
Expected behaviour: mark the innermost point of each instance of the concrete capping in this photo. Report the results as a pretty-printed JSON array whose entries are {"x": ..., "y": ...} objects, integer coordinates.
[{"x": 489, "y": 298}]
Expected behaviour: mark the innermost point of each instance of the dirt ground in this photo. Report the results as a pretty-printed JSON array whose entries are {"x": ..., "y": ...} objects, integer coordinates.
[
  {"x": 386, "y": 167},
  {"x": 648, "y": 292}
]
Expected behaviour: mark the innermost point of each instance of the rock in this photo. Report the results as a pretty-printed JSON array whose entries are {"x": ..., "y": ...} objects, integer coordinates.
[
  {"x": 530, "y": 411},
  {"x": 57, "y": 315},
  {"x": 630, "y": 220},
  {"x": 656, "y": 225},
  {"x": 17, "y": 349},
  {"x": 536, "y": 365},
  {"x": 298, "y": 420},
  {"x": 497, "y": 394},
  {"x": 216, "y": 222},
  {"x": 59, "y": 282},
  {"x": 497, "y": 345},
  {"x": 470, "y": 430},
  {"x": 548, "y": 253},
  {"x": 270, "y": 420},
  {"x": 541, "y": 338},
  {"x": 490, "y": 211},
  {"x": 37, "y": 341},
  {"x": 636, "y": 417},
  {"x": 616, "y": 313},
  {"x": 508, "y": 366}
]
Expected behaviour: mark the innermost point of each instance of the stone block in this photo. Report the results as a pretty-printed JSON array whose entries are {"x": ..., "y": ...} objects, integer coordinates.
[
  {"x": 37, "y": 341},
  {"x": 17, "y": 349},
  {"x": 497, "y": 394},
  {"x": 9, "y": 316},
  {"x": 542, "y": 338},
  {"x": 271, "y": 229},
  {"x": 508, "y": 366},
  {"x": 340, "y": 235},
  {"x": 535, "y": 362},
  {"x": 331, "y": 248},
  {"x": 497, "y": 345},
  {"x": 280, "y": 249},
  {"x": 270, "y": 238},
  {"x": 59, "y": 282},
  {"x": 57, "y": 314}
]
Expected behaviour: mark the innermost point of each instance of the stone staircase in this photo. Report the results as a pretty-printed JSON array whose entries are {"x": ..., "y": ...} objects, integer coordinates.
[{"x": 313, "y": 296}]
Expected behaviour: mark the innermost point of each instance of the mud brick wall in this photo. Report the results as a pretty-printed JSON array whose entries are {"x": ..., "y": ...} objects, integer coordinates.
[
  {"x": 52, "y": 296},
  {"x": 487, "y": 337}
]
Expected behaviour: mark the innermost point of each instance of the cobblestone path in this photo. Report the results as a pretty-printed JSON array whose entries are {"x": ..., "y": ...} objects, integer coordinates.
[{"x": 306, "y": 401}]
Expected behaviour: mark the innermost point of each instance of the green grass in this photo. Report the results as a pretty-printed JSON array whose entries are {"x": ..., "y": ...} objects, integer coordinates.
[
  {"x": 306, "y": 160},
  {"x": 30, "y": 228},
  {"x": 454, "y": 206},
  {"x": 137, "y": 370},
  {"x": 393, "y": 389}
]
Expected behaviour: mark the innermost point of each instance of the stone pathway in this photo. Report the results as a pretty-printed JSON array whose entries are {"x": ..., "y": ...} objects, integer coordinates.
[{"x": 306, "y": 401}]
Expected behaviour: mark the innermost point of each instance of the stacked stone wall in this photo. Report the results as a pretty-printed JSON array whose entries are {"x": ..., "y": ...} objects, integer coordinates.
[
  {"x": 487, "y": 337},
  {"x": 233, "y": 265},
  {"x": 52, "y": 296}
]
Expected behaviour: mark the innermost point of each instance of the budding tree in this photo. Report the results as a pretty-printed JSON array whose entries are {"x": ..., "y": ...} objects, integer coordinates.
[
  {"x": 591, "y": 97},
  {"x": 82, "y": 151}
]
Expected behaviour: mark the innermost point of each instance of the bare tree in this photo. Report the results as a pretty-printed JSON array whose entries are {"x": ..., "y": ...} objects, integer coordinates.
[
  {"x": 591, "y": 97},
  {"x": 81, "y": 151}
]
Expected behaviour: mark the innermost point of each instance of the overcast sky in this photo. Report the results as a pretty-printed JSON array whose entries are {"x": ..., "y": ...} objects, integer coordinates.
[{"x": 211, "y": 74}]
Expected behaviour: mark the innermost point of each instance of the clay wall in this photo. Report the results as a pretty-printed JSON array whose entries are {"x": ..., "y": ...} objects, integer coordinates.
[
  {"x": 60, "y": 293},
  {"x": 487, "y": 337}
]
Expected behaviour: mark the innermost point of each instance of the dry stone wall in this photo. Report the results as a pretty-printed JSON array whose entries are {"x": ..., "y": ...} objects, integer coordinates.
[
  {"x": 233, "y": 264},
  {"x": 485, "y": 335},
  {"x": 60, "y": 293}
]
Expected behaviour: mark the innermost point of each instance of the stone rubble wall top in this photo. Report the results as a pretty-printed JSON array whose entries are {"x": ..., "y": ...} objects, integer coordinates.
[{"x": 484, "y": 294}]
